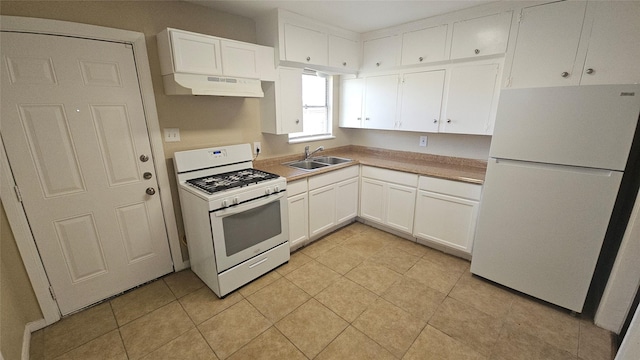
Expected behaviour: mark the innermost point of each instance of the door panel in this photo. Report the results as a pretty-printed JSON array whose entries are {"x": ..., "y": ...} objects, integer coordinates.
[{"x": 74, "y": 130}]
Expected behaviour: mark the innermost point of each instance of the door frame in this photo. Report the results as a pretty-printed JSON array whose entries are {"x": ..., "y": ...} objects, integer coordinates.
[{"x": 13, "y": 207}]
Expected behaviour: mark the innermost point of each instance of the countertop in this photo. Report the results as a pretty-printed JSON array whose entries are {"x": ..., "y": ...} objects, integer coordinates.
[{"x": 444, "y": 167}]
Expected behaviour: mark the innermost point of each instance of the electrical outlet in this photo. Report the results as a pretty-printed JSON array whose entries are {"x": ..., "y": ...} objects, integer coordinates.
[
  {"x": 171, "y": 134},
  {"x": 423, "y": 141},
  {"x": 257, "y": 148}
]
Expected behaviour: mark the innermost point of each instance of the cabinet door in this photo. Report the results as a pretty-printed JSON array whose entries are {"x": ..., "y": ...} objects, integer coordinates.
[
  {"x": 289, "y": 100},
  {"x": 381, "y": 53},
  {"x": 426, "y": 45},
  {"x": 380, "y": 100},
  {"x": 447, "y": 220},
  {"x": 485, "y": 35},
  {"x": 305, "y": 45},
  {"x": 346, "y": 200},
  {"x": 469, "y": 104},
  {"x": 613, "y": 56},
  {"x": 351, "y": 102},
  {"x": 421, "y": 101},
  {"x": 343, "y": 53},
  {"x": 372, "y": 200},
  {"x": 322, "y": 207},
  {"x": 240, "y": 59},
  {"x": 547, "y": 42},
  {"x": 196, "y": 54},
  {"x": 298, "y": 220},
  {"x": 400, "y": 203}
]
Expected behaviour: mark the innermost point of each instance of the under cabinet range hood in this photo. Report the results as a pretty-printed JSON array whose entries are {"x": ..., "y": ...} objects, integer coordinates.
[{"x": 192, "y": 84}]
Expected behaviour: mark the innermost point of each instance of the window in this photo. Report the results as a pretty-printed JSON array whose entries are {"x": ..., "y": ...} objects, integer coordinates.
[{"x": 316, "y": 112}]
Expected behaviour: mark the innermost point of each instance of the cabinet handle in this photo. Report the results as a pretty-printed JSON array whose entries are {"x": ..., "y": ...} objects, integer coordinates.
[
  {"x": 150, "y": 191},
  {"x": 448, "y": 121},
  {"x": 297, "y": 121},
  {"x": 564, "y": 74},
  {"x": 420, "y": 58},
  {"x": 377, "y": 64},
  {"x": 476, "y": 51},
  {"x": 344, "y": 63},
  {"x": 367, "y": 119},
  {"x": 144, "y": 158},
  {"x": 590, "y": 71},
  {"x": 359, "y": 118},
  {"x": 308, "y": 58},
  {"x": 435, "y": 121}
]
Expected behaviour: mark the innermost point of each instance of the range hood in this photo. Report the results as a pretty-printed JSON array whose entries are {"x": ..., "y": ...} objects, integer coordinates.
[{"x": 192, "y": 84}]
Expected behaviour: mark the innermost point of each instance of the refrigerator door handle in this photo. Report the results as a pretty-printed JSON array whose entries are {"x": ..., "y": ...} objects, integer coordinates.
[{"x": 574, "y": 169}]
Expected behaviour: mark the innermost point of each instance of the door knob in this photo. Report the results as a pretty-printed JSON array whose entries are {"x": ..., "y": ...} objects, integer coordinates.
[
  {"x": 564, "y": 74},
  {"x": 147, "y": 175},
  {"x": 144, "y": 158},
  {"x": 590, "y": 71},
  {"x": 476, "y": 51},
  {"x": 150, "y": 191}
]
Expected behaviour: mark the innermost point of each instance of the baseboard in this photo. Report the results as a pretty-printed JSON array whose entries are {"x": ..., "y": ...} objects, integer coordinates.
[{"x": 26, "y": 338}]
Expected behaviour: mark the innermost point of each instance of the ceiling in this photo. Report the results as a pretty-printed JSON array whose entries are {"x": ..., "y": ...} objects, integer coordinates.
[{"x": 359, "y": 15}]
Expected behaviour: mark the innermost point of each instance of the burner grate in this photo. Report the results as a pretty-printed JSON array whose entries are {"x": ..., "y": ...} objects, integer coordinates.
[{"x": 230, "y": 180}]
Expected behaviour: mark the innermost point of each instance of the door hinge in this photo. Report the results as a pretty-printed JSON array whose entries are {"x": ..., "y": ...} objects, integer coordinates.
[
  {"x": 18, "y": 195},
  {"x": 520, "y": 17},
  {"x": 53, "y": 294}
]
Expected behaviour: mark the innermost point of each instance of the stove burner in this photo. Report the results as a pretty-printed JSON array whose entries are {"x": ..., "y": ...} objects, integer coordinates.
[{"x": 230, "y": 180}]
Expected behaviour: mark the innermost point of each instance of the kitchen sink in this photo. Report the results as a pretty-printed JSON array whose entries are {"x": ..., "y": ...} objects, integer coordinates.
[
  {"x": 331, "y": 160},
  {"x": 317, "y": 162},
  {"x": 306, "y": 165}
]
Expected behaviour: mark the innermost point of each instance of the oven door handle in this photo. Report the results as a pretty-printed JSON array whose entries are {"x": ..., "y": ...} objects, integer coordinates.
[{"x": 249, "y": 205}]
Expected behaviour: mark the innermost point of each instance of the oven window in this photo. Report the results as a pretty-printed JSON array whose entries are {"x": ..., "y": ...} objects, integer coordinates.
[{"x": 251, "y": 227}]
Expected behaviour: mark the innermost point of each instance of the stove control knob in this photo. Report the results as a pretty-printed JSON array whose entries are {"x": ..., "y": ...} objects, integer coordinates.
[
  {"x": 276, "y": 189},
  {"x": 235, "y": 201},
  {"x": 267, "y": 191},
  {"x": 224, "y": 203}
]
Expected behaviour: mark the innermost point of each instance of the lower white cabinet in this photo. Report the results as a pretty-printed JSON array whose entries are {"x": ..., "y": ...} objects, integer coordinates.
[
  {"x": 446, "y": 213},
  {"x": 388, "y": 197},
  {"x": 298, "y": 202},
  {"x": 322, "y": 204}
]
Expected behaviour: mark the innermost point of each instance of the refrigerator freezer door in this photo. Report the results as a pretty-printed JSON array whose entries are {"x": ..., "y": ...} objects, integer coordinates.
[
  {"x": 541, "y": 227},
  {"x": 589, "y": 126}
]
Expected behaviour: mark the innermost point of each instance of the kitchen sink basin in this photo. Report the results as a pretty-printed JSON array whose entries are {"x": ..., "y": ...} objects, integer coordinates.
[
  {"x": 317, "y": 162},
  {"x": 331, "y": 160},
  {"x": 306, "y": 165}
]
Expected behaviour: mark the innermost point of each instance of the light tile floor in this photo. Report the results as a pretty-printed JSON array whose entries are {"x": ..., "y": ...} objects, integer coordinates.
[{"x": 358, "y": 293}]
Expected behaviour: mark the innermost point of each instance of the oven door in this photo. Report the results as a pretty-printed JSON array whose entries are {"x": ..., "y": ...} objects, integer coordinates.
[{"x": 246, "y": 230}]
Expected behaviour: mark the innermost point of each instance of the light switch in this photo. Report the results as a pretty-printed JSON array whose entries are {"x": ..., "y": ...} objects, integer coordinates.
[{"x": 171, "y": 134}]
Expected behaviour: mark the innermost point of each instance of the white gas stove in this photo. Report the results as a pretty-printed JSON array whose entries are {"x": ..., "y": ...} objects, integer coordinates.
[{"x": 235, "y": 217}]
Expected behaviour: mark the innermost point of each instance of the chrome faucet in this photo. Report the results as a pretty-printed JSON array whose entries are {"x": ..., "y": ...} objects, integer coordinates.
[{"x": 308, "y": 154}]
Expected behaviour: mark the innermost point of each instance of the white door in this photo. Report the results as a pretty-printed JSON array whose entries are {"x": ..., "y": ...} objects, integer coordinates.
[
  {"x": 351, "y": 92},
  {"x": 380, "y": 99},
  {"x": 322, "y": 204},
  {"x": 399, "y": 207},
  {"x": 76, "y": 138}
]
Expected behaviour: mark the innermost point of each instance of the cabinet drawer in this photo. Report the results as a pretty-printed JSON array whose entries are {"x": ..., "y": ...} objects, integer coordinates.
[
  {"x": 392, "y": 176},
  {"x": 449, "y": 187},
  {"x": 332, "y": 177},
  {"x": 296, "y": 187}
]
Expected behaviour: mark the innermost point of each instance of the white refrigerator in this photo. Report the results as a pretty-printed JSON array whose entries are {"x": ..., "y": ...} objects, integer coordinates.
[{"x": 556, "y": 161}]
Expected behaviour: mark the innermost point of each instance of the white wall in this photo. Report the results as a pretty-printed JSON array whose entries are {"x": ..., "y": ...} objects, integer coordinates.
[{"x": 467, "y": 146}]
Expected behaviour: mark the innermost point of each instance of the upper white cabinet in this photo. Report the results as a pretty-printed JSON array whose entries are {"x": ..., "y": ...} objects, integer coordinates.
[
  {"x": 547, "y": 43},
  {"x": 425, "y": 45},
  {"x": 195, "y": 54},
  {"x": 577, "y": 43},
  {"x": 351, "y": 93},
  {"x": 471, "y": 99},
  {"x": 421, "y": 101},
  {"x": 343, "y": 53},
  {"x": 281, "y": 108},
  {"x": 191, "y": 53},
  {"x": 381, "y": 53},
  {"x": 380, "y": 101},
  {"x": 487, "y": 35},
  {"x": 613, "y": 53},
  {"x": 304, "y": 45},
  {"x": 303, "y": 42}
]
